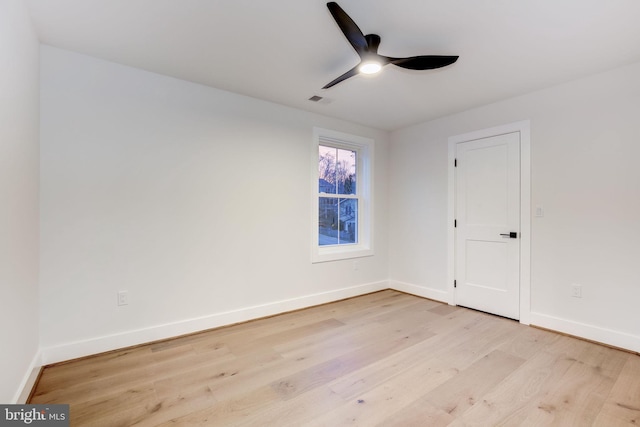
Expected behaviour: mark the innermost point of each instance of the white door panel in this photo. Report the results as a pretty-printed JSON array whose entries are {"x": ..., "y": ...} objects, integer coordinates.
[
  {"x": 486, "y": 192},
  {"x": 487, "y": 263},
  {"x": 487, "y": 208}
]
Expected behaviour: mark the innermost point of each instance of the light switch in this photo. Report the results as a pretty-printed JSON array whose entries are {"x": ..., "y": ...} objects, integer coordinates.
[{"x": 539, "y": 211}]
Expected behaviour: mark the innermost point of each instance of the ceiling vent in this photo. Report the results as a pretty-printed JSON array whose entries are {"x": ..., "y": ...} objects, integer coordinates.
[{"x": 320, "y": 99}]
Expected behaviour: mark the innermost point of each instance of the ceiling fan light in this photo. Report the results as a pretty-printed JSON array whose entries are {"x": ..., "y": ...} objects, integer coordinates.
[{"x": 370, "y": 67}]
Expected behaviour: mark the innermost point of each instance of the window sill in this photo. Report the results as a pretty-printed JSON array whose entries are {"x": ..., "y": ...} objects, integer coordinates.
[{"x": 336, "y": 253}]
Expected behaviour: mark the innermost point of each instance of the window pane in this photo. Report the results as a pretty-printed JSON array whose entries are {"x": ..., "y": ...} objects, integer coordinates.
[
  {"x": 328, "y": 221},
  {"x": 337, "y": 221},
  {"x": 346, "y": 171},
  {"x": 348, "y": 221},
  {"x": 327, "y": 169}
]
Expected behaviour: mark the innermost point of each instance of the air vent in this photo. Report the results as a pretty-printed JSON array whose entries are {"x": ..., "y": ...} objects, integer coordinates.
[{"x": 315, "y": 98}]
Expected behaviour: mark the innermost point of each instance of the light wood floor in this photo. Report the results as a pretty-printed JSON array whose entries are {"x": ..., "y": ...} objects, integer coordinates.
[{"x": 384, "y": 359}]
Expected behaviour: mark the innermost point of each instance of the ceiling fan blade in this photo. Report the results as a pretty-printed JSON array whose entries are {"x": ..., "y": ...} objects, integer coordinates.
[
  {"x": 352, "y": 72},
  {"x": 424, "y": 62},
  {"x": 349, "y": 28}
]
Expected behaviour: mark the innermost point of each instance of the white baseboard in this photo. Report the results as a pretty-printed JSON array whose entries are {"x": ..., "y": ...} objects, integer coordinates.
[
  {"x": 421, "y": 291},
  {"x": 29, "y": 380},
  {"x": 590, "y": 332},
  {"x": 101, "y": 344}
]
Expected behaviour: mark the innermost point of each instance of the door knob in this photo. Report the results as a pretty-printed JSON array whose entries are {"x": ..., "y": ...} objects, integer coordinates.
[{"x": 511, "y": 235}]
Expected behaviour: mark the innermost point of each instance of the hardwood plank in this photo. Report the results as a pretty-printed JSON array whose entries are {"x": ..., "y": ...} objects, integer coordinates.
[
  {"x": 175, "y": 406},
  {"x": 229, "y": 411},
  {"x": 470, "y": 385},
  {"x": 86, "y": 370},
  {"x": 208, "y": 376},
  {"x": 579, "y": 394},
  {"x": 520, "y": 393},
  {"x": 292, "y": 334},
  {"x": 107, "y": 407},
  {"x": 388, "y": 359},
  {"x": 527, "y": 342},
  {"x": 89, "y": 390},
  {"x": 376, "y": 402},
  {"x": 459, "y": 393},
  {"x": 336, "y": 367},
  {"x": 437, "y": 345},
  {"x": 392, "y": 367},
  {"x": 474, "y": 340},
  {"x": 336, "y": 341},
  {"x": 623, "y": 403},
  {"x": 381, "y": 309},
  {"x": 427, "y": 415},
  {"x": 302, "y": 410}
]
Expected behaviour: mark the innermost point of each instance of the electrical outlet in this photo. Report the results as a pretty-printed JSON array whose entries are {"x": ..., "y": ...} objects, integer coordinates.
[
  {"x": 576, "y": 291},
  {"x": 356, "y": 265},
  {"x": 123, "y": 298}
]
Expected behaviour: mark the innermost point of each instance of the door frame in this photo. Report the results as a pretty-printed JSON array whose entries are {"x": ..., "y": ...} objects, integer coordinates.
[{"x": 523, "y": 127}]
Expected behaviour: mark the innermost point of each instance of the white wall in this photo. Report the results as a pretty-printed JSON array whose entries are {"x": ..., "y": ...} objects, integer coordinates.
[
  {"x": 585, "y": 146},
  {"x": 18, "y": 198},
  {"x": 194, "y": 200}
]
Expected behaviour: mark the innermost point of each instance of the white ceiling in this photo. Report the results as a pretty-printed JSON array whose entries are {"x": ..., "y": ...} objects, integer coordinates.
[{"x": 285, "y": 50}]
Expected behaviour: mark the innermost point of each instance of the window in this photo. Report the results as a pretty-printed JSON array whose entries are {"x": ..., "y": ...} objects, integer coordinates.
[
  {"x": 338, "y": 199},
  {"x": 342, "y": 220}
]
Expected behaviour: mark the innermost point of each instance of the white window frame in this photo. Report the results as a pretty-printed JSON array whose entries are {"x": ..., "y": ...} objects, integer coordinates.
[{"x": 364, "y": 190}]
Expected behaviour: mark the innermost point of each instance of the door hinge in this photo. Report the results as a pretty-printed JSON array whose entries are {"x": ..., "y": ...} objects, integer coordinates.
[{"x": 455, "y": 284}]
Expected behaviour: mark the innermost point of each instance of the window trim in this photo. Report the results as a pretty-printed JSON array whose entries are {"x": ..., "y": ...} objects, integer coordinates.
[{"x": 364, "y": 179}]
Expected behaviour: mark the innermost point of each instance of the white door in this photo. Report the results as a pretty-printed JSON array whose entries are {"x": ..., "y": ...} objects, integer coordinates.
[{"x": 487, "y": 234}]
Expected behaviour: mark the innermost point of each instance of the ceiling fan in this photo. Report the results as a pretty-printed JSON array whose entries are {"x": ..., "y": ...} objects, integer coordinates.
[{"x": 367, "y": 48}]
